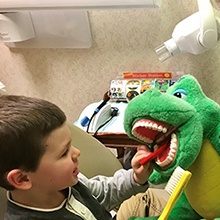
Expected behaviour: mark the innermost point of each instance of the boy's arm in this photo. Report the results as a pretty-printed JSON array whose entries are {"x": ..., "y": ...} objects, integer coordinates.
[{"x": 112, "y": 191}]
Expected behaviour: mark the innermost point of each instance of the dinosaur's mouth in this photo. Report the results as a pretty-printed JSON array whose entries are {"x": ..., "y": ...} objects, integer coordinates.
[{"x": 161, "y": 137}]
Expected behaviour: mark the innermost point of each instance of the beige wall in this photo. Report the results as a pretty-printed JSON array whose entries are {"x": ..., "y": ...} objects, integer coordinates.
[{"x": 123, "y": 40}]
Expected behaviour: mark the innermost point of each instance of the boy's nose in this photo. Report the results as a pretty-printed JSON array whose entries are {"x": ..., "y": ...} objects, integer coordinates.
[{"x": 75, "y": 153}]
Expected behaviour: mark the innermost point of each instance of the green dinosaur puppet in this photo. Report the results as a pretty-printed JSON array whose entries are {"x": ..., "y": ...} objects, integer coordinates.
[{"x": 186, "y": 123}]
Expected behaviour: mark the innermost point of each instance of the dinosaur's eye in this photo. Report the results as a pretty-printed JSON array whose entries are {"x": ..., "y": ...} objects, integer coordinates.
[{"x": 180, "y": 93}]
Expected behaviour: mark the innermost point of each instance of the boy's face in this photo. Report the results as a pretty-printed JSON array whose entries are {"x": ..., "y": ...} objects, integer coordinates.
[{"x": 58, "y": 167}]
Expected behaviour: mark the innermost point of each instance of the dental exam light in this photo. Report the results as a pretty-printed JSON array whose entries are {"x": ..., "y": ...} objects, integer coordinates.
[
  {"x": 195, "y": 34},
  {"x": 27, "y": 5},
  {"x": 55, "y": 23}
]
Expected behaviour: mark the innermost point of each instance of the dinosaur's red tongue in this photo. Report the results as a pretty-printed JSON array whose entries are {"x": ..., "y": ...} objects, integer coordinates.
[
  {"x": 155, "y": 154},
  {"x": 151, "y": 134}
]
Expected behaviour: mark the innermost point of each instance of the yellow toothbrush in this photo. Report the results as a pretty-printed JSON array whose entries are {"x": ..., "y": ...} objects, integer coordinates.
[{"x": 174, "y": 188}]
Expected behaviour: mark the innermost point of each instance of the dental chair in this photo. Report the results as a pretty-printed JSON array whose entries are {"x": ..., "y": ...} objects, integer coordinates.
[
  {"x": 95, "y": 159},
  {"x": 3, "y": 201}
]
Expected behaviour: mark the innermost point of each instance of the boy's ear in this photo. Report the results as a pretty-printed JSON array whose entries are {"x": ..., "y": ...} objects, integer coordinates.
[{"x": 19, "y": 179}]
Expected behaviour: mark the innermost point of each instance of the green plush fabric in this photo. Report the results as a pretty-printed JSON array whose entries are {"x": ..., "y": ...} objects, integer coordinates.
[{"x": 195, "y": 116}]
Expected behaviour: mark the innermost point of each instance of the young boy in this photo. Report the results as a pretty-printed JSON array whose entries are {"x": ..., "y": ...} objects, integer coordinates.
[{"x": 39, "y": 167}]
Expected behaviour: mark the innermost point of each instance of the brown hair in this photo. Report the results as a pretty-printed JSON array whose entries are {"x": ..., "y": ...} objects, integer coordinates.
[{"x": 24, "y": 124}]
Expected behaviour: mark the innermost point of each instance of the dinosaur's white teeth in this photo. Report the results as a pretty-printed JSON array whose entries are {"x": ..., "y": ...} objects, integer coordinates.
[
  {"x": 171, "y": 155},
  {"x": 164, "y": 130},
  {"x": 139, "y": 136},
  {"x": 147, "y": 130},
  {"x": 160, "y": 128},
  {"x": 154, "y": 126},
  {"x": 149, "y": 125}
]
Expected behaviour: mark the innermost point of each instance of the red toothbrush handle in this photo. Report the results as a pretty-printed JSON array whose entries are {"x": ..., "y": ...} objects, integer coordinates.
[{"x": 153, "y": 155}]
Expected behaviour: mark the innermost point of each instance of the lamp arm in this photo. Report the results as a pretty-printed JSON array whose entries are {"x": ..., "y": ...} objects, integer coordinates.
[{"x": 208, "y": 34}]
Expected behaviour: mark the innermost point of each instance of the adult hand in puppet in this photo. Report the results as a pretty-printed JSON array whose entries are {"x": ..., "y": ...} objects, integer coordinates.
[{"x": 186, "y": 125}]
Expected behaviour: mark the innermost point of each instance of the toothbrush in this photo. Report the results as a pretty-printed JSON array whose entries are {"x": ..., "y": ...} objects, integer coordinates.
[
  {"x": 153, "y": 155},
  {"x": 174, "y": 188},
  {"x": 160, "y": 139}
]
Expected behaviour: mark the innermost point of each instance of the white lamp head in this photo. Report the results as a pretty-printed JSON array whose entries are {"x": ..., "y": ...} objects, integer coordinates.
[{"x": 195, "y": 34}]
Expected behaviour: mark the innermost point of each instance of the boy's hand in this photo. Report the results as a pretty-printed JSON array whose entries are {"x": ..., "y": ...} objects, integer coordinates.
[{"x": 141, "y": 172}]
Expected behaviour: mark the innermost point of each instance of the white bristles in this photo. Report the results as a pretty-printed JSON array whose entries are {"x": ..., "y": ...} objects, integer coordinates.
[
  {"x": 174, "y": 179},
  {"x": 174, "y": 188}
]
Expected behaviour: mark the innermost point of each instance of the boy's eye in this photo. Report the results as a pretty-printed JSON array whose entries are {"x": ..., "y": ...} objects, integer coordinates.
[{"x": 66, "y": 152}]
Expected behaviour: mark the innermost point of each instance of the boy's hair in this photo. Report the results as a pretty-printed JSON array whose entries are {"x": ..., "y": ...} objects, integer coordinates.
[{"x": 24, "y": 124}]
